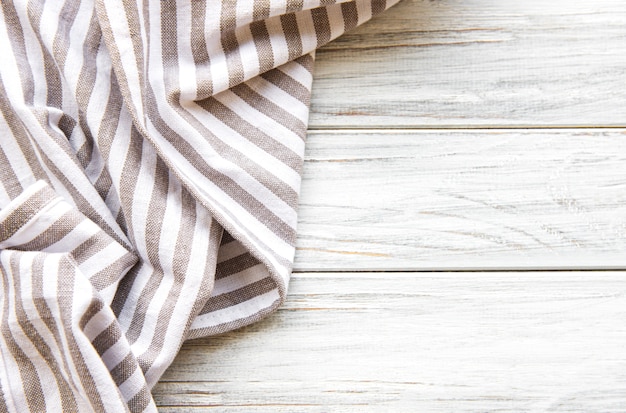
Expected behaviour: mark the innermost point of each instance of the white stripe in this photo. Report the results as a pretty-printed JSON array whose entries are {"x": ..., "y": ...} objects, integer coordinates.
[
  {"x": 271, "y": 165},
  {"x": 13, "y": 152},
  {"x": 298, "y": 73},
  {"x": 267, "y": 125},
  {"x": 116, "y": 353},
  {"x": 46, "y": 377},
  {"x": 218, "y": 67},
  {"x": 280, "y": 98},
  {"x": 50, "y": 283},
  {"x": 277, "y": 40},
  {"x": 226, "y": 206},
  {"x": 307, "y": 31},
  {"x": 167, "y": 246},
  {"x": 239, "y": 280},
  {"x": 335, "y": 19},
  {"x": 120, "y": 26},
  {"x": 239, "y": 311},
  {"x": 248, "y": 51},
  {"x": 102, "y": 259},
  {"x": 189, "y": 291},
  {"x": 186, "y": 65},
  {"x": 79, "y": 234},
  {"x": 97, "y": 323},
  {"x": 364, "y": 10},
  {"x": 132, "y": 385}
]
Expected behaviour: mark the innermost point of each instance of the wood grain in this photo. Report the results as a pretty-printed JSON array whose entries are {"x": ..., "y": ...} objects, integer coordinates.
[
  {"x": 428, "y": 342},
  {"x": 476, "y": 63},
  {"x": 462, "y": 199},
  {"x": 440, "y": 173}
]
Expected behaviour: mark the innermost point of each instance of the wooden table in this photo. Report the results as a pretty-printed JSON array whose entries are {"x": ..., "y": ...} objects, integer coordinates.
[{"x": 462, "y": 224}]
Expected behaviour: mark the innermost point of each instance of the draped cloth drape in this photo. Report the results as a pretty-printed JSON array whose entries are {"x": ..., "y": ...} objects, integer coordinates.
[{"x": 150, "y": 163}]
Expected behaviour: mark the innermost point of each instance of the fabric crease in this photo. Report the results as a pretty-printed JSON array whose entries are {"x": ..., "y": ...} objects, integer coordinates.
[{"x": 150, "y": 164}]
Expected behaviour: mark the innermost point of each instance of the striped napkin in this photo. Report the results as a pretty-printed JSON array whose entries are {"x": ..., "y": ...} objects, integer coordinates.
[{"x": 150, "y": 161}]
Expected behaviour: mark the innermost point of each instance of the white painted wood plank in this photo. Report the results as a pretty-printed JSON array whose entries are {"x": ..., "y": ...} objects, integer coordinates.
[
  {"x": 477, "y": 63},
  {"x": 454, "y": 199},
  {"x": 429, "y": 342}
]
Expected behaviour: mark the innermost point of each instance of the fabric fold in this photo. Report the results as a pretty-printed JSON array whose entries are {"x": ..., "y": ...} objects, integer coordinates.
[
  {"x": 39, "y": 220},
  {"x": 150, "y": 166}
]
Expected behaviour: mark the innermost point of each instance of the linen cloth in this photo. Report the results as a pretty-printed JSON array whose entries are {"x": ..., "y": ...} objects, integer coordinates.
[{"x": 150, "y": 159}]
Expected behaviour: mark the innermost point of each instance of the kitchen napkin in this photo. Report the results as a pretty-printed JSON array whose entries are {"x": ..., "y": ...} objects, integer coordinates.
[{"x": 150, "y": 166}]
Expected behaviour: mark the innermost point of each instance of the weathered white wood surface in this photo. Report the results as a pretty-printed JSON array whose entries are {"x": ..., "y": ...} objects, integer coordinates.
[
  {"x": 477, "y": 63},
  {"x": 470, "y": 191},
  {"x": 417, "y": 200},
  {"x": 419, "y": 342}
]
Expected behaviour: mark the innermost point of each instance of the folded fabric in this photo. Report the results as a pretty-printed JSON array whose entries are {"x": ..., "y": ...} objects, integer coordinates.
[{"x": 150, "y": 160}]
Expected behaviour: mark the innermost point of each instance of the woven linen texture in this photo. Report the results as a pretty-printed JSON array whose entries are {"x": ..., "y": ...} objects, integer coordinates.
[{"x": 150, "y": 166}]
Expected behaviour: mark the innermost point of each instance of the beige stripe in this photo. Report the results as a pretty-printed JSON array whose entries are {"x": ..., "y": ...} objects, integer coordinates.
[
  {"x": 94, "y": 307},
  {"x": 55, "y": 232},
  {"x": 271, "y": 110},
  {"x": 107, "y": 339},
  {"x": 234, "y": 121},
  {"x": 113, "y": 272},
  {"x": 140, "y": 401},
  {"x": 199, "y": 50},
  {"x": 260, "y": 10},
  {"x": 103, "y": 184},
  {"x": 20, "y": 135},
  {"x": 128, "y": 186},
  {"x": 235, "y": 265},
  {"x": 289, "y": 85},
  {"x": 30, "y": 380},
  {"x": 110, "y": 120},
  {"x": 87, "y": 76},
  {"x": 292, "y": 35},
  {"x": 350, "y": 15},
  {"x": 204, "y": 293},
  {"x": 294, "y": 5},
  {"x": 124, "y": 369},
  {"x": 306, "y": 61},
  {"x": 46, "y": 315},
  {"x": 156, "y": 212},
  {"x": 235, "y": 324},
  {"x": 84, "y": 90},
  {"x": 54, "y": 96},
  {"x": 3, "y": 404},
  {"x": 229, "y": 43},
  {"x": 85, "y": 152},
  {"x": 226, "y": 184},
  {"x": 378, "y": 6},
  {"x": 16, "y": 38},
  {"x": 263, "y": 44},
  {"x": 134, "y": 24},
  {"x": 9, "y": 179},
  {"x": 24, "y": 212},
  {"x": 322, "y": 25},
  {"x": 180, "y": 264},
  {"x": 79, "y": 199},
  {"x": 65, "y": 299},
  {"x": 60, "y": 45},
  {"x": 67, "y": 125},
  {"x": 90, "y": 247},
  {"x": 239, "y": 296},
  {"x": 226, "y": 238},
  {"x": 29, "y": 330}
]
